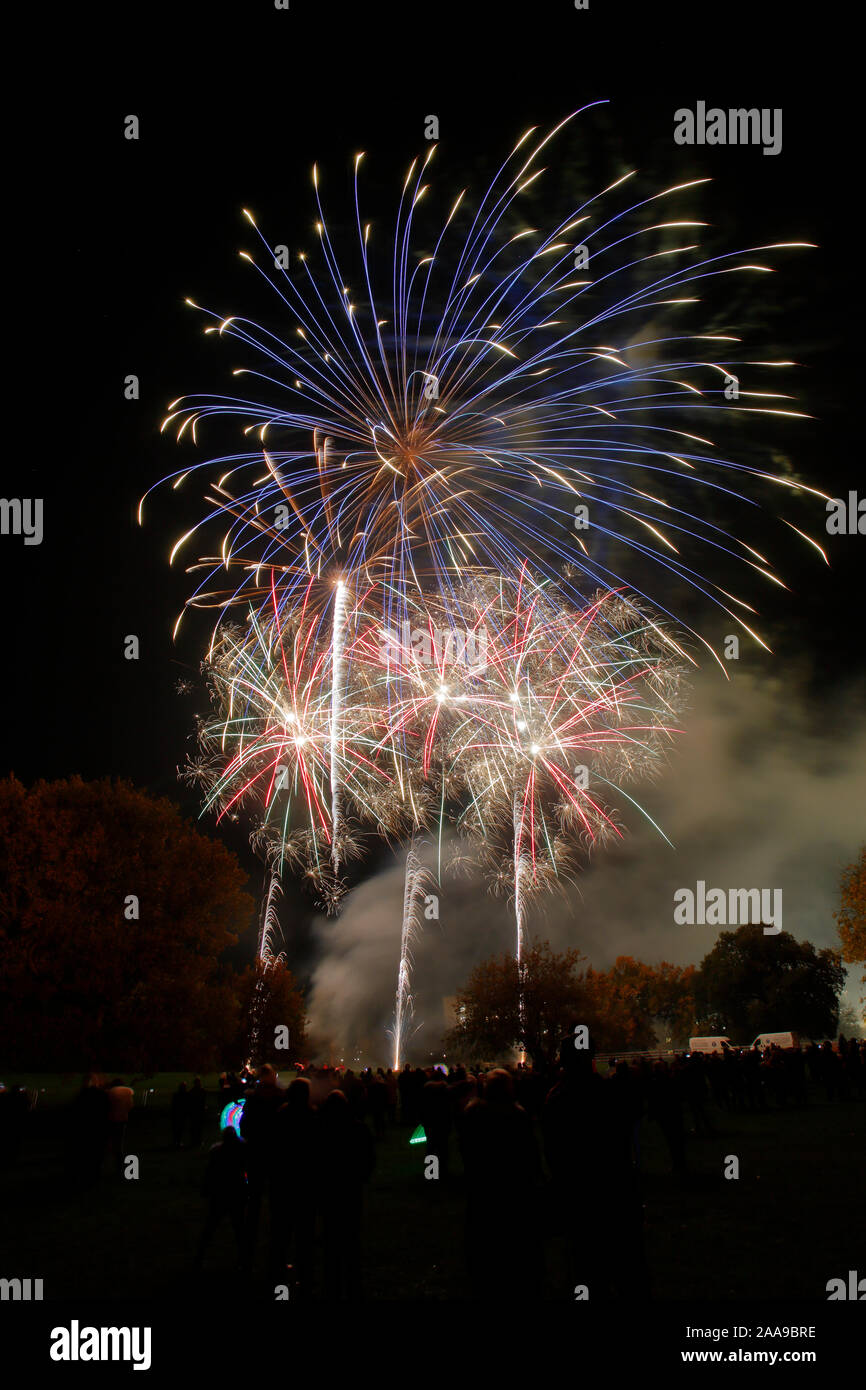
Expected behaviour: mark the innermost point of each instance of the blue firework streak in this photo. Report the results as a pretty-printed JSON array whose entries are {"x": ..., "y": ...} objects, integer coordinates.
[{"x": 454, "y": 412}]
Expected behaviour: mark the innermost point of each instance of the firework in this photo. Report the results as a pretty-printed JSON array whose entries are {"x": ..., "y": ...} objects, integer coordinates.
[
  {"x": 337, "y": 634},
  {"x": 488, "y": 710},
  {"x": 414, "y": 626},
  {"x": 572, "y": 705},
  {"x": 270, "y": 923},
  {"x": 460, "y": 417},
  {"x": 309, "y": 736},
  {"x": 417, "y": 881},
  {"x": 266, "y": 958}
]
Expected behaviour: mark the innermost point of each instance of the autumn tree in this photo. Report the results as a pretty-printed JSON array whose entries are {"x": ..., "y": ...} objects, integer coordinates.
[
  {"x": 501, "y": 1008},
  {"x": 750, "y": 983},
  {"x": 114, "y": 916},
  {"x": 616, "y": 1020},
  {"x": 273, "y": 1023},
  {"x": 851, "y": 916},
  {"x": 491, "y": 1021},
  {"x": 662, "y": 993}
]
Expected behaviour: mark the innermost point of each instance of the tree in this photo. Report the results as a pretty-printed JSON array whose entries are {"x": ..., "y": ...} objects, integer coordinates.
[
  {"x": 490, "y": 1020},
  {"x": 617, "y": 1005},
  {"x": 750, "y": 983},
  {"x": 852, "y": 913},
  {"x": 663, "y": 993},
  {"x": 271, "y": 996},
  {"x": 114, "y": 914},
  {"x": 617, "y": 1020}
]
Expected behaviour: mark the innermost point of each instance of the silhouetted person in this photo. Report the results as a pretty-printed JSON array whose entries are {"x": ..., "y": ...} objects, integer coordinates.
[
  {"x": 407, "y": 1096},
  {"x": 260, "y": 1106},
  {"x": 224, "y": 1093},
  {"x": 830, "y": 1067},
  {"x": 754, "y": 1085},
  {"x": 417, "y": 1081},
  {"x": 88, "y": 1131},
  {"x": 293, "y": 1187},
  {"x": 197, "y": 1106},
  {"x": 587, "y": 1126},
  {"x": 666, "y": 1108},
  {"x": 717, "y": 1074},
  {"x": 695, "y": 1088},
  {"x": 502, "y": 1169},
  {"x": 355, "y": 1092},
  {"x": 225, "y": 1186},
  {"x": 377, "y": 1103},
  {"x": 14, "y": 1109},
  {"x": 391, "y": 1086},
  {"x": 346, "y": 1155},
  {"x": 436, "y": 1116},
  {"x": 121, "y": 1100},
  {"x": 462, "y": 1090},
  {"x": 851, "y": 1066},
  {"x": 628, "y": 1088},
  {"x": 530, "y": 1090},
  {"x": 179, "y": 1114},
  {"x": 777, "y": 1076},
  {"x": 798, "y": 1076}
]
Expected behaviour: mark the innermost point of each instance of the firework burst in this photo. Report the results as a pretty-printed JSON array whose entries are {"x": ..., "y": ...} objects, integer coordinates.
[
  {"x": 417, "y": 883},
  {"x": 410, "y": 546},
  {"x": 461, "y": 407}
]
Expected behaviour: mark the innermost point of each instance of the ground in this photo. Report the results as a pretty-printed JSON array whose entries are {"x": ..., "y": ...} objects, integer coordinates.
[{"x": 790, "y": 1222}]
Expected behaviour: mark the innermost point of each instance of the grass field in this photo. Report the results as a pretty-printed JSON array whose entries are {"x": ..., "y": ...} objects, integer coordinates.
[{"x": 792, "y": 1221}]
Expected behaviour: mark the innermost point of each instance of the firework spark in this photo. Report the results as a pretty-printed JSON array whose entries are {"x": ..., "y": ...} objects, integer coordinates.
[
  {"x": 266, "y": 958},
  {"x": 419, "y": 529},
  {"x": 499, "y": 393},
  {"x": 416, "y": 884}
]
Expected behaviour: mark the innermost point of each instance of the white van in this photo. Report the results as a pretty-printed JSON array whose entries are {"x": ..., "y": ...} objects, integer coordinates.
[
  {"x": 776, "y": 1040},
  {"x": 708, "y": 1044}
]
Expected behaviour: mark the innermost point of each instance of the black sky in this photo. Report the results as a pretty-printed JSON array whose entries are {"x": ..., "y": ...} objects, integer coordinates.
[{"x": 235, "y": 105}]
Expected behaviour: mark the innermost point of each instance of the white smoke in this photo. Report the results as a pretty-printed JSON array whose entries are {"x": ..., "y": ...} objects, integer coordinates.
[{"x": 761, "y": 792}]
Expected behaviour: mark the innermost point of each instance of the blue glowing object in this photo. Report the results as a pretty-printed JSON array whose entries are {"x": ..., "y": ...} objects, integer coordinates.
[{"x": 231, "y": 1116}]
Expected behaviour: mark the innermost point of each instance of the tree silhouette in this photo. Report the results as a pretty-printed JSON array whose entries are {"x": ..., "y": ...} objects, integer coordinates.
[
  {"x": 560, "y": 990},
  {"x": 663, "y": 993},
  {"x": 280, "y": 1006},
  {"x": 114, "y": 914},
  {"x": 750, "y": 983},
  {"x": 852, "y": 913}
]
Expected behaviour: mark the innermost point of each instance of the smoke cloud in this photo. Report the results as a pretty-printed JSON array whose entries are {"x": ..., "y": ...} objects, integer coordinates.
[{"x": 763, "y": 790}]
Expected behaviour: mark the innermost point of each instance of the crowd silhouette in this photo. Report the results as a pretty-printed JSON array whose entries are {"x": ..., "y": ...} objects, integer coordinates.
[{"x": 542, "y": 1151}]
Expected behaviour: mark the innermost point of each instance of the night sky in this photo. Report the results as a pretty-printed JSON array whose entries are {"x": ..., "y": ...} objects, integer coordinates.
[{"x": 234, "y": 107}]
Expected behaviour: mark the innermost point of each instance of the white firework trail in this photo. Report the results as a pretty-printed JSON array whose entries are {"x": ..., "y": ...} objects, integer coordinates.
[
  {"x": 266, "y": 957},
  {"x": 417, "y": 880},
  {"x": 336, "y": 720},
  {"x": 270, "y": 922},
  {"x": 522, "y": 865}
]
